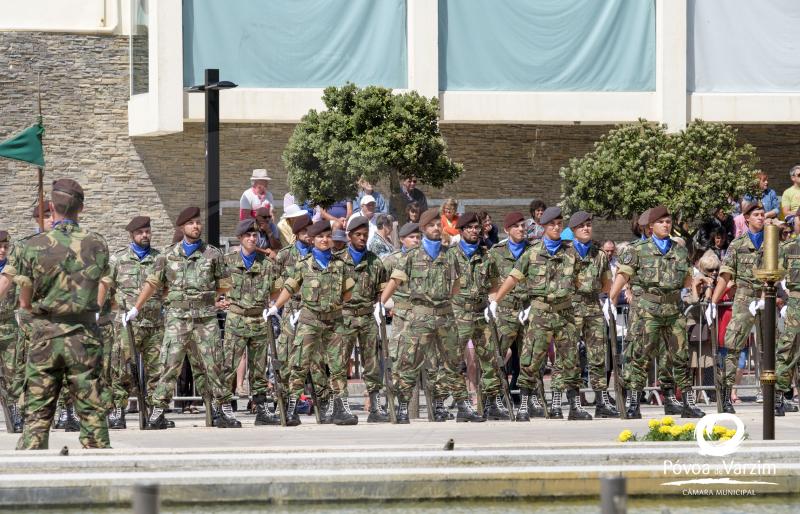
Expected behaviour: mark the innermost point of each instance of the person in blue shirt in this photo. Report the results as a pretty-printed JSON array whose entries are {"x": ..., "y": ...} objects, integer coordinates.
[
  {"x": 769, "y": 198},
  {"x": 366, "y": 188}
]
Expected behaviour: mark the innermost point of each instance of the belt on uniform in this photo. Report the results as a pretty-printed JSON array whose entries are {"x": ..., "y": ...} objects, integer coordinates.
[
  {"x": 191, "y": 305},
  {"x": 322, "y": 316},
  {"x": 252, "y": 312},
  {"x": 548, "y": 307},
  {"x": 588, "y": 297},
  {"x": 363, "y": 311},
  {"x": 514, "y": 304},
  {"x": 84, "y": 318},
  {"x": 673, "y": 297},
  {"x": 432, "y": 311},
  {"x": 470, "y": 306}
]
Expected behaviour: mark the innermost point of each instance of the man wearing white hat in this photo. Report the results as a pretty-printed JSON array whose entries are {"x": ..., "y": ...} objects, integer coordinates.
[
  {"x": 291, "y": 212},
  {"x": 257, "y": 196}
]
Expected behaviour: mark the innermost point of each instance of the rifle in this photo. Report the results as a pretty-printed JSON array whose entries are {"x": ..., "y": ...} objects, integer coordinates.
[
  {"x": 387, "y": 369},
  {"x": 618, "y": 390},
  {"x": 499, "y": 364},
  {"x": 314, "y": 398},
  {"x": 276, "y": 370},
  {"x": 429, "y": 401},
  {"x": 137, "y": 373}
]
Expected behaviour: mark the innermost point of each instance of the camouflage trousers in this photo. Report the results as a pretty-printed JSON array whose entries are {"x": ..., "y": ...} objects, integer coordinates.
[
  {"x": 148, "y": 343},
  {"x": 309, "y": 347},
  {"x": 429, "y": 338},
  {"x": 284, "y": 345},
  {"x": 76, "y": 357},
  {"x": 660, "y": 337},
  {"x": 8, "y": 358},
  {"x": 199, "y": 339},
  {"x": 787, "y": 356},
  {"x": 544, "y": 325},
  {"x": 472, "y": 326},
  {"x": 591, "y": 329},
  {"x": 245, "y": 334},
  {"x": 737, "y": 334},
  {"x": 511, "y": 331},
  {"x": 361, "y": 330},
  {"x": 399, "y": 323},
  {"x": 20, "y": 355}
]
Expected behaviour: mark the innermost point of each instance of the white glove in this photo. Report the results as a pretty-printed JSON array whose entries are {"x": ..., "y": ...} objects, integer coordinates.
[
  {"x": 609, "y": 311},
  {"x": 272, "y": 311},
  {"x": 379, "y": 313},
  {"x": 96, "y": 317},
  {"x": 711, "y": 313},
  {"x": 783, "y": 311},
  {"x": 293, "y": 319},
  {"x": 523, "y": 314},
  {"x": 130, "y": 316},
  {"x": 492, "y": 308},
  {"x": 755, "y": 306}
]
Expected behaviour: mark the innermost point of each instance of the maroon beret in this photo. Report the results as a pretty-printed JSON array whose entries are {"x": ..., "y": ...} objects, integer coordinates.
[
  {"x": 138, "y": 222},
  {"x": 748, "y": 207},
  {"x": 512, "y": 218},
  {"x": 656, "y": 213},
  {"x": 245, "y": 226},
  {"x": 187, "y": 215},
  {"x": 319, "y": 227},
  {"x": 356, "y": 222},
  {"x": 70, "y": 187},
  {"x": 299, "y": 223},
  {"x": 408, "y": 229},
  {"x": 644, "y": 218},
  {"x": 428, "y": 216},
  {"x": 465, "y": 219}
]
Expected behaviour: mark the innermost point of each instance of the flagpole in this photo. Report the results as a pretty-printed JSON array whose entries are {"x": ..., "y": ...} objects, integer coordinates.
[{"x": 41, "y": 169}]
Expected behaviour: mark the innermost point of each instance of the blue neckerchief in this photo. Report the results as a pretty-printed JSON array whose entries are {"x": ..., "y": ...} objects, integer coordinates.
[
  {"x": 3, "y": 264},
  {"x": 552, "y": 246},
  {"x": 643, "y": 237},
  {"x": 468, "y": 249},
  {"x": 188, "y": 248},
  {"x": 323, "y": 257},
  {"x": 248, "y": 260},
  {"x": 583, "y": 248},
  {"x": 355, "y": 254},
  {"x": 302, "y": 248},
  {"x": 756, "y": 238},
  {"x": 663, "y": 244},
  {"x": 64, "y": 222},
  {"x": 140, "y": 251},
  {"x": 432, "y": 248},
  {"x": 403, "y": 249},
  {"x": 517, "y": 248}
]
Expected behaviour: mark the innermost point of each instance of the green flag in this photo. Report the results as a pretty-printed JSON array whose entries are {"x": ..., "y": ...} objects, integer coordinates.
[{"x": 25, "y": 146}]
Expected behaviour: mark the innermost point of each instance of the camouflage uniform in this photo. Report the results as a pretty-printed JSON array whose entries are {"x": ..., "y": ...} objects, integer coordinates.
[
  {"x": 8, "y": 344},
  {"x": 359, "y": 327},
  {"x": 64, "y": 267},
  {"x": 128, "y": 275},
  {"x": 657, "y": 324},
  {"x": 191, "y": 318},
  {"x": 245, "y": 329},
  {"x": 788, "y": 348},
  {"x": 740, "y": 262},
  {"x": 429, "y": 332}
]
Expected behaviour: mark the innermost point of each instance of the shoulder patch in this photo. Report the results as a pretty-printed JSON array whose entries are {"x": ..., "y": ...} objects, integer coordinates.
[{"x": 626, "y": 258}]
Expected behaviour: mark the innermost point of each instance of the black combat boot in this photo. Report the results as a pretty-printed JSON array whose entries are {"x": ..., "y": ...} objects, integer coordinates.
[
  {"x": 603, "y": 407},
  {"x": 227, "y": 419},
  {"x": 672, "y": 407},
  {"x": 788, "y": 404},
  {"x": 536, "y": 406},
  {"x": 522, "y": 412},
  {"x": 116, "y": 419},
  {"x": 780, "y": 404},
  {"x": 263, "y": 414},
  {"x": 632, "y": 401},
  {"x": 16, "y": 418},
  {"x": 61, "y": 423},
  {"x": 465, "y": 413},
  {"x": 690, "y": 409},
  {"x": 496, "y": 411},
  {"x": 376, "y": 414},
  {"x": 402, "y": 412},
  {"x": 576, "y": 411},
  {"x": 326, "y": 410},
  {"x": 440, "y": 412},
  {"x": 727, "y": 403},
  {"x": 555, "y": 406},
  {"x": 292, "y": 419},
  {"x": 73, "y": 421},
  {"x": 156, "y": 420},
  {"x": 342, "y": 414}
]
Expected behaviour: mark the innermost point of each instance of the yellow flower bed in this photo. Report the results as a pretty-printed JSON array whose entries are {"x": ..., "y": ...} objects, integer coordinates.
[{"x": 665, "y": 429}]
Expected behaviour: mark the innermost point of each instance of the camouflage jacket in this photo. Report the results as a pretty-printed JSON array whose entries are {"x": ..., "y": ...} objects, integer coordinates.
[
  {"x": 321, "y": 290},
  {"x": 501, "y": 262},
  {"x": 547, "y": 278},
  {"x": 191, "y": 282},
  {"x": 790, "y": 259},
  {"x": 250, "y": 288},
  {"x": 657, "y": 278},
  {"x": 474, "y": 282},
  {"x": 128, "y": 274},
  {"x": 369, "y": 277},
  {"x": 430, "y": 282},
  {"x": 285, "y": 260},
  {"x": 63, "y": 267},
  {"x": 401, "y": 295},
  {"x": 590, "y": 271},
  {"x": 740, "y": 262}
]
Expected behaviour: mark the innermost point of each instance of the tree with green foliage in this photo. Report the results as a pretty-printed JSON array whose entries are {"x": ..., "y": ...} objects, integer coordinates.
[
  {"x": 367, "y": 132},
  {"x": 640, "y": 165}
]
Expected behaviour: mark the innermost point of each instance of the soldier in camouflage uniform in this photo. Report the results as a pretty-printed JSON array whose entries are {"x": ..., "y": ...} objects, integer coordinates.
[
  {"x": 593, "y": 276},
  {"x": 8, "y": 340},
  {"x": 663, "y": 269},
  {"x": 502, "y": 258},
  {"x": 323, "y": 281},
  {"x": 129, "y": 269},
  {"x": 743, "y": 257},
  {"x": 432, "y": 278},
  {"x": 192, "y": 272},
  {"x": 359, "y": 326},
  {"x": 788, "y": 349},
  {"x": 252, "y": 279},
  {"x": 469, "y": 305},
  {"x": 286, "y": 259},
  {"x": 409, "y": 238},
  {"x": 58, "y": 273},
  {"x": 547, "y": 270}
]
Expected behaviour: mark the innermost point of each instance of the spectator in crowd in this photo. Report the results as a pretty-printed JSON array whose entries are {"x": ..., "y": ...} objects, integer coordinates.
[
  {"x": 269, "y": 240},
  {"x": 338, "y": 213},
  {"x": 380, "y": 244},
  {"x": 366, "y": 188},
  {"x": 489, "y": 233},
  {"x": 257, "y": 196},
  {"x": 449, "y": 214},
  {"x": 409, "y": 193},
  {"x": 413, "y": 212},
  {"x": 610, "y": 249},
  {"x": 787, "y": 230},
  {"x": 720, "y": 221},
  {"x": 768, "y": 197},
  {"x": 790, "y": 199},
  {"x": 339, "y": 240},
  {"x": 739, "y": 223},
  {"x": 719, "y": 243},
  {"x": 794, "y": 222},
  {"x": 535, "y": 230},
  {"x": 290, "y": 212}
]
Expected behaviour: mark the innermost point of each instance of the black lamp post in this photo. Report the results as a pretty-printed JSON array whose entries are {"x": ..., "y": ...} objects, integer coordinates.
[{"x": 211, "y": 89}]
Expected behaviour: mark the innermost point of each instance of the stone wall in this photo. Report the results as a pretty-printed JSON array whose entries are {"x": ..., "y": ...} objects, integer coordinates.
[{"x": 85, "y": 88}]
